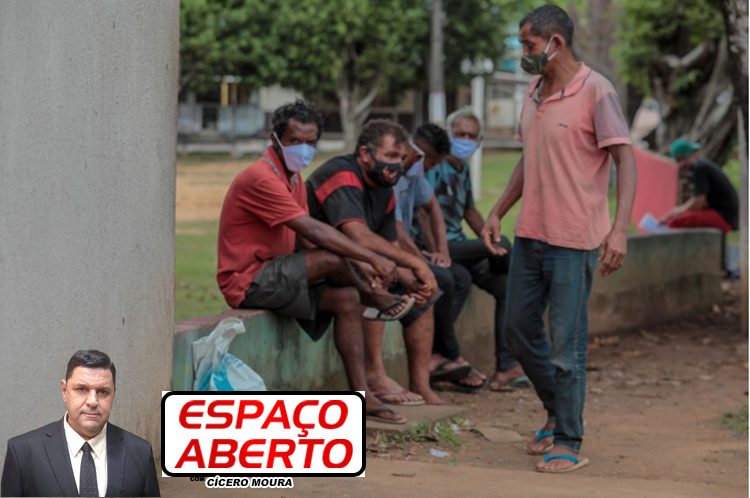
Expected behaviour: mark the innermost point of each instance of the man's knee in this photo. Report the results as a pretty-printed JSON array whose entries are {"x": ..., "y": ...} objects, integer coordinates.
[
  {"x": 444, "y": 279},
  {"x": 325, "y": 261},
  {"x": 461, "y": 276}
]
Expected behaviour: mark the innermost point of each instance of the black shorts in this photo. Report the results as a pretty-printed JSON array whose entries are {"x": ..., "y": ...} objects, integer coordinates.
[{"x": 281, "y": 286}]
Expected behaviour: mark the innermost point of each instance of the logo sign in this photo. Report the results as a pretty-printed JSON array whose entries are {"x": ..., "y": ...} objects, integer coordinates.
[{"x": 289, "y": 434}]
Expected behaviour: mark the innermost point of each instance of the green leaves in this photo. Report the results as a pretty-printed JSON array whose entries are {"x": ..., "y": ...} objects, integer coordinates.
[
  {"x": 651, "y": 29},
  {"x": 318, "y": 46}
]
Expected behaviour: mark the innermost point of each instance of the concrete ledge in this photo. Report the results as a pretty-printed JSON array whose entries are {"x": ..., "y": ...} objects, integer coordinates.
[{"x": 665, "y": 277}]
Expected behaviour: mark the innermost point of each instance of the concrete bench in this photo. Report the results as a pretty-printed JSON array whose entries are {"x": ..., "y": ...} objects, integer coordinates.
[{"x": 665, "y": 277}]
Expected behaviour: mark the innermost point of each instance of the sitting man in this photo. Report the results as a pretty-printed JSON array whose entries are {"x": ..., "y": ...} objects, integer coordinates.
[
  {"x": 430, "y": 145},
  {"x": 264, "y": 213},
  {"x": 452, "y": 183},
  {"x": 354, "y": 194},
  {"x": 714, "y": 203}
]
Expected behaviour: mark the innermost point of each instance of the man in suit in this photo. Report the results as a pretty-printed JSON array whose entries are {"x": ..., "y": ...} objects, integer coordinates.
[{"x": 81, "y": 454}]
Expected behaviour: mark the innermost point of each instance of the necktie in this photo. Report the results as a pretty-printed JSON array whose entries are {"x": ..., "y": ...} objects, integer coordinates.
[{"x": 88, "y": 485}]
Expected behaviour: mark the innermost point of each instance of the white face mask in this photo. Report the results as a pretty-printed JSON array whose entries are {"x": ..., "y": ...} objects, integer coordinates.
[
  {"x": 296, "y": 157},
  {"x": 417, "y": 169}
]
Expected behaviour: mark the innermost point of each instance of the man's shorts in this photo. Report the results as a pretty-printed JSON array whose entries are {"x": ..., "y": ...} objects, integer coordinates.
[{"x": 281, "y": 286}]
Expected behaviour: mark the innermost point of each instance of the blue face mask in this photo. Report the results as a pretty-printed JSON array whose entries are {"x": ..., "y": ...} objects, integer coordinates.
[
  {"x": 296, "y": 157},
  {"x": 463, "y": 148}
]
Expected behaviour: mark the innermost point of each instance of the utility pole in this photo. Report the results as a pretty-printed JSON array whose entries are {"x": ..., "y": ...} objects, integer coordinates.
[{"x": 437, "y": 81}]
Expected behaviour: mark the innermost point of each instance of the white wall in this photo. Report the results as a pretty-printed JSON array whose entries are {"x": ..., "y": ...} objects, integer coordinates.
[{"x": 88, "y": 116}]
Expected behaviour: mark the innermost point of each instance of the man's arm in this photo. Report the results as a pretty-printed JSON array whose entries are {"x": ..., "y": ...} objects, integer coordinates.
[
  {"x": 439, "y": 232},
  {"x": 491, "y": 231},
  {"x": 406, "y": 242},
  {"x": 614, "y": 246},
  {"x": 11, "y": 483},
  {"x": 424, "y": 225},
  {"x": 327, "y": 237},
  {"x": 362, "y": 235},
  {"x": 474, "y": 218},
  {"x": 693, "y": 204}
]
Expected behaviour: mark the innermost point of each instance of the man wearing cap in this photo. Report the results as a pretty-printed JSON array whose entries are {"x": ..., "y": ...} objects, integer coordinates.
[{"x": 714, "y": 203}]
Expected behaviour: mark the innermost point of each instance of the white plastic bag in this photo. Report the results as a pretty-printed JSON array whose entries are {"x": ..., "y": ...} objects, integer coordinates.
[{"x": 217, "y": 370}]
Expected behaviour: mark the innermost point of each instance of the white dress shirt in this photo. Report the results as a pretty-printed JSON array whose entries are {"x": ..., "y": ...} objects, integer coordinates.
[{"x": 98, "y": 451}]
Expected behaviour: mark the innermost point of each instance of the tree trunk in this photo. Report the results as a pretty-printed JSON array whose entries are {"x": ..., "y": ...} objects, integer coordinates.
[
  {"x": 701, "y": 112},
  {"x": 355, "y": 100},
  {"x": 736, "y": 25}
]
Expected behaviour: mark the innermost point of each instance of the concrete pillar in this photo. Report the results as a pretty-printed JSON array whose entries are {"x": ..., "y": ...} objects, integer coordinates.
[{"x": 88, "y": 125}]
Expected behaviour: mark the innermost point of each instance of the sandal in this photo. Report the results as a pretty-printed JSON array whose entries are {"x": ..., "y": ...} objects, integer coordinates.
[
  {"x": 539, "y": 436},
  {"x": 467, "y": 388},
  {"x": 373, "y": 415},
  {"x": 578, "y": 464},
  {"x": 381, "y": 315},
  {"x": 441, "y": 374},
  {"x": 517, "y": 383}
]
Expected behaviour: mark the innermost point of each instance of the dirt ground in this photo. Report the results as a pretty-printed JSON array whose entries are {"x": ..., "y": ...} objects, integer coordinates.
[{"x": 654, "y": 404}]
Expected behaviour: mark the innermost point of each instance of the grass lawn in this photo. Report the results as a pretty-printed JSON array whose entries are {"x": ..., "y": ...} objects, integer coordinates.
[{"x": 196, "y": 290}]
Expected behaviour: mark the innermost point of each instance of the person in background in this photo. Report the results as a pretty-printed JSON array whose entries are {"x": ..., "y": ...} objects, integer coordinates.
[
  {"x": 451, "y": 181},
  {"x": 714, "y": 203},
  {"x": 429, "y": 146},
  {"x": 571, "y": 128}
]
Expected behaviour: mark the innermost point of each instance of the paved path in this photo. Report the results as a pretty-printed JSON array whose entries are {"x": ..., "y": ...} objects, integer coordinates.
[{"x": 438, "y": 480}]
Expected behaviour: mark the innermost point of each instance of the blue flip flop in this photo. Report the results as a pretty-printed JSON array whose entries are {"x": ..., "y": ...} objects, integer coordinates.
[
  {"x": 579, "y": 463},
  {"x": 539, "y": 436}
]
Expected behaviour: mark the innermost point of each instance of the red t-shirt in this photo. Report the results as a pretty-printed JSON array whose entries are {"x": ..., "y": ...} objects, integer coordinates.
[{"x": 251, "y": 230}]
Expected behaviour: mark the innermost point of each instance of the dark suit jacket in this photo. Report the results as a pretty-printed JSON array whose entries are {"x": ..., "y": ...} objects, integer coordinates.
[{"x": 38, "y": 464}]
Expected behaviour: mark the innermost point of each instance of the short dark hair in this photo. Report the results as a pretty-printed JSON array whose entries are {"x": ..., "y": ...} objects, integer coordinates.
[
  {"x": 90, "y": 358},
  {"x": 304, "y": 112},
  {"x": 548, "y": 20},
  {"x": 373, "y": 132},
  {"x": 435, "y": 136}
]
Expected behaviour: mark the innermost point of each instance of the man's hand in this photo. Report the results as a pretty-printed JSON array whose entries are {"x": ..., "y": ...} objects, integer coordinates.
[
  {"x": 613, "y": 250},
  {"x": 385, "y": 269},
  {"x": 368, "y": 273},
  {"x": 426, "y": 285},
  {"x": 491, "y": 235},
  {"x": 437, "y": 258}
]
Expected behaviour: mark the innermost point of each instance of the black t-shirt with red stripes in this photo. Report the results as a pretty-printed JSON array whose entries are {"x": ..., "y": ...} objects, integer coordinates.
[{"x": 338, "y": 194}]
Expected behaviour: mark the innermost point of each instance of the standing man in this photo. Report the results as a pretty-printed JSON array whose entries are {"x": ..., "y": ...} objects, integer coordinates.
[
  {"x": 82, "y": 454},
  {"x": 354, "y": 193},
  {"x": 264, "y": 214},
  {"x": 714, "y": 203},
  {"x": 571, "y": 127}
]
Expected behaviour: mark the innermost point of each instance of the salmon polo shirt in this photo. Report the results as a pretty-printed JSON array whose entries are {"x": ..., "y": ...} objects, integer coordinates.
[
  {"x": 251, "y": 228},
  {"x": 565, "y": 160}
]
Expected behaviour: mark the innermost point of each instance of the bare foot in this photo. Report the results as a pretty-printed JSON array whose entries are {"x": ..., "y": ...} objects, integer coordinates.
[
  {"x": 509, "y": 375},
  {"x": 388, "y": 390},
  {"x": 429, "y": 396},
  {"x": 558, "y": 464},
  {"x": 538, "y": 447}
]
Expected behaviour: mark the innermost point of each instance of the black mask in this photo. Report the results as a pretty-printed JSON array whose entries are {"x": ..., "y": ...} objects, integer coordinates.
[{"x": 378, "y": 172}]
